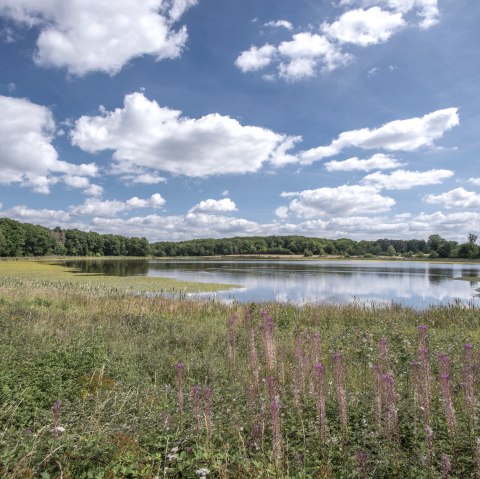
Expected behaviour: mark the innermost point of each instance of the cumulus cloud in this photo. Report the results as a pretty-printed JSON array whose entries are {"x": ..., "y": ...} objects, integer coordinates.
[
  {"x": 457, "y": 198},
  {"x": 398, "y": 135},
  {"x": 256, "y": 58},
  {"x": 340, "y": 201},
  {"x": 44, "y": 217},
  {"x": 81, "y": 182},
  {"x": 27, "y": 155},
  {"x": 426, "y": 10},
  {"x": 308, "y": 53},
  {"x": 474, "y": 181},
  {"x": 404, "y": 179},
  {"x": 144, "y": 134},
  {"x": 279, "y": 24},
  {"x": 86, "y": 36},
  {"x": 305, "y": 52},
  {"x": 378, "y": 161},
  {"x": 365, "y": 27},
  {"x": 155, "y": 227},
  {"x": 210, "y": 206},
  {"x": 282, "y": 212},
  {"x": 111, "y": 208}
]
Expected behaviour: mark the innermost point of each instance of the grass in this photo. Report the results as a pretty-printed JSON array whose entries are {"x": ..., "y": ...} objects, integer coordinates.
[
  {"x": 55, "y": 272},
  {"x": 130, "y": 410}
]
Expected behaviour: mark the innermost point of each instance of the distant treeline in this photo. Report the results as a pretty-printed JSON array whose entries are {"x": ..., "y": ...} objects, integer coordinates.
[{"x": 22, "y": 239}]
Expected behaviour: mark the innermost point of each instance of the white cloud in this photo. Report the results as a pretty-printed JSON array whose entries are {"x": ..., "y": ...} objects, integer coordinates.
[
  {"x": 211, "y": 206},
  {"x": 175, "y": 228},
  {"x": 144, "y": 178},
  {"x": 404, "y": 179},
  {"x": 474, "y": 181},
  {"x": 44, "y": 217},
  {"x": 279, "y": 24},
  {"x": 378, "y": 161},
  {"x": 255, "y": 58},
  {"x": 457, "y": 198},
  {"x": 179, "y": 7},
  {"x": 453, "y": 225},
  {"x": 81, "y": 182},
  {"x": 302, "y": 55},
  {"x": 144, "y": 134},
  {"x": 340, "y": 201},
  {"x": 110, "y": 208},
  {"x": 27, "y": 155},
  {"x": 86, "y": 35},
  {"x": 281, "y": 212},
  {"x": 308, "y": 53},
  {"x": 364, "y": 27},
  {"x": 225, "y": 193},
  {"x": 93, "y": 190},
  {"x": 398, "y": 135},
  {"x": 427, "y": 10}
]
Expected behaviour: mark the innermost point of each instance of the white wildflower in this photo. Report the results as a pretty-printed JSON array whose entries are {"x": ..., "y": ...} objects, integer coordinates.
[{"x": 202, "y": 472}]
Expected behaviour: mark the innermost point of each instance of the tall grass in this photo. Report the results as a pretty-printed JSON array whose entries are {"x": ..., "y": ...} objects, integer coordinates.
[{"x": 95, "y": 382}]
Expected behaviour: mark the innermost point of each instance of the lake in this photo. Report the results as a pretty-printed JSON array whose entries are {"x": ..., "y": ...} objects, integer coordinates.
[{"x": 417, "y": 284}]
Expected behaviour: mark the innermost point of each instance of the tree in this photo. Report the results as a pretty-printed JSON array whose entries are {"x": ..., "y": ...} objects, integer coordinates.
[
  {"x": 468, "y": 250},
  {"x": 391, "y": 251},
  {"x": 472, "y": 238}
]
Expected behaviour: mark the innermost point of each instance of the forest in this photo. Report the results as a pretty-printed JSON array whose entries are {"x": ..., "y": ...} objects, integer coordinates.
[{"x": 23, "y": 239}]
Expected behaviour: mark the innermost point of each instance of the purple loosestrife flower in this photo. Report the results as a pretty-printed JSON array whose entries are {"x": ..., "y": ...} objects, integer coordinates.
[
  {"x": 425, "y": 383},
  {"x": 179, "y": 383},
  {"x": 195, "y": 398},
  {"x": 321, "y": 411},
  {"x": 339, "y": 372},
  {"x": 276, "y": 431},
  {"x": 232, "y": 337},
  {"x": 378, "y": 389},
  {"x": 269, "y": 341},
  {"x": 446, "y": 393},
  {"x": 477, "y": 458},
  {"x": 253, "y": 356},
  {"x": 468, "y": 384},
  {"x": 362, "y": 464},
  {"x": 446, "y": 466},
  {"x": 383, "y": 356},
  {"x": 207, "y": 408},
  {"x": 390, "y": 402},
  {"x": 272, "y": 388},
  {"x": 316, "y": 348},
  {"x": 301, "y": 364}
]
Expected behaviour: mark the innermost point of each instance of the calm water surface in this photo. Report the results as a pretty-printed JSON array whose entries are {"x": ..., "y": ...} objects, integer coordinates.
[{"x": 415, "y": 284}]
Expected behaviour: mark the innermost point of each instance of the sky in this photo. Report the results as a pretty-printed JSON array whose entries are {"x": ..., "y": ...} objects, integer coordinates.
[{"x": 181, "y": 119}]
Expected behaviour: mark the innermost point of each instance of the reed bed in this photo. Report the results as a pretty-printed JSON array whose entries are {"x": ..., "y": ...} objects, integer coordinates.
[{"x": 98, "y": 383}]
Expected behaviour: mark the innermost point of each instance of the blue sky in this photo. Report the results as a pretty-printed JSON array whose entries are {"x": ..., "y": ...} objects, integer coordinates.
[{"x": 176, "y": 119}]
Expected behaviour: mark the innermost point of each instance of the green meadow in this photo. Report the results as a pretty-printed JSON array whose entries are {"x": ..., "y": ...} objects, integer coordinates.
[{"x": 98, "y": 381}]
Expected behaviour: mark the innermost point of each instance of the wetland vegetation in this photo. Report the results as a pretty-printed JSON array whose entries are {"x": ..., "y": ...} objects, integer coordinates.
[{"x": 99, "y": 383}]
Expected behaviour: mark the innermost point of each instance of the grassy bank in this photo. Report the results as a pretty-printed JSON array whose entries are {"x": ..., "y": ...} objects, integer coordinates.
[
  {"x": 97, "y": 383},
  {"x": 54, "y": 272}
]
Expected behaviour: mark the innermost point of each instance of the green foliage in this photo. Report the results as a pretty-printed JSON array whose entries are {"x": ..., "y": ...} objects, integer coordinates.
[
  {"x": 111, "y": 359},
  {"x": 17, "y": 239}
]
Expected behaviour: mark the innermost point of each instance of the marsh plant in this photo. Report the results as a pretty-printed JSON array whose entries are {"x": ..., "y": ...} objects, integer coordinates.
[{"x": 101, "y": 383}]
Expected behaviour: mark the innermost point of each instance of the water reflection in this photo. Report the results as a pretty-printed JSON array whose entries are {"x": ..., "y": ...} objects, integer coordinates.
[{"x": 408, "y": 283}]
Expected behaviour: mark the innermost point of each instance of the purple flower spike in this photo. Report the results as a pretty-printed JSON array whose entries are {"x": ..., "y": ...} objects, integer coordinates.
[
  {"x": 422, "y": 328},
  {"x": 468, "y": 346}
]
